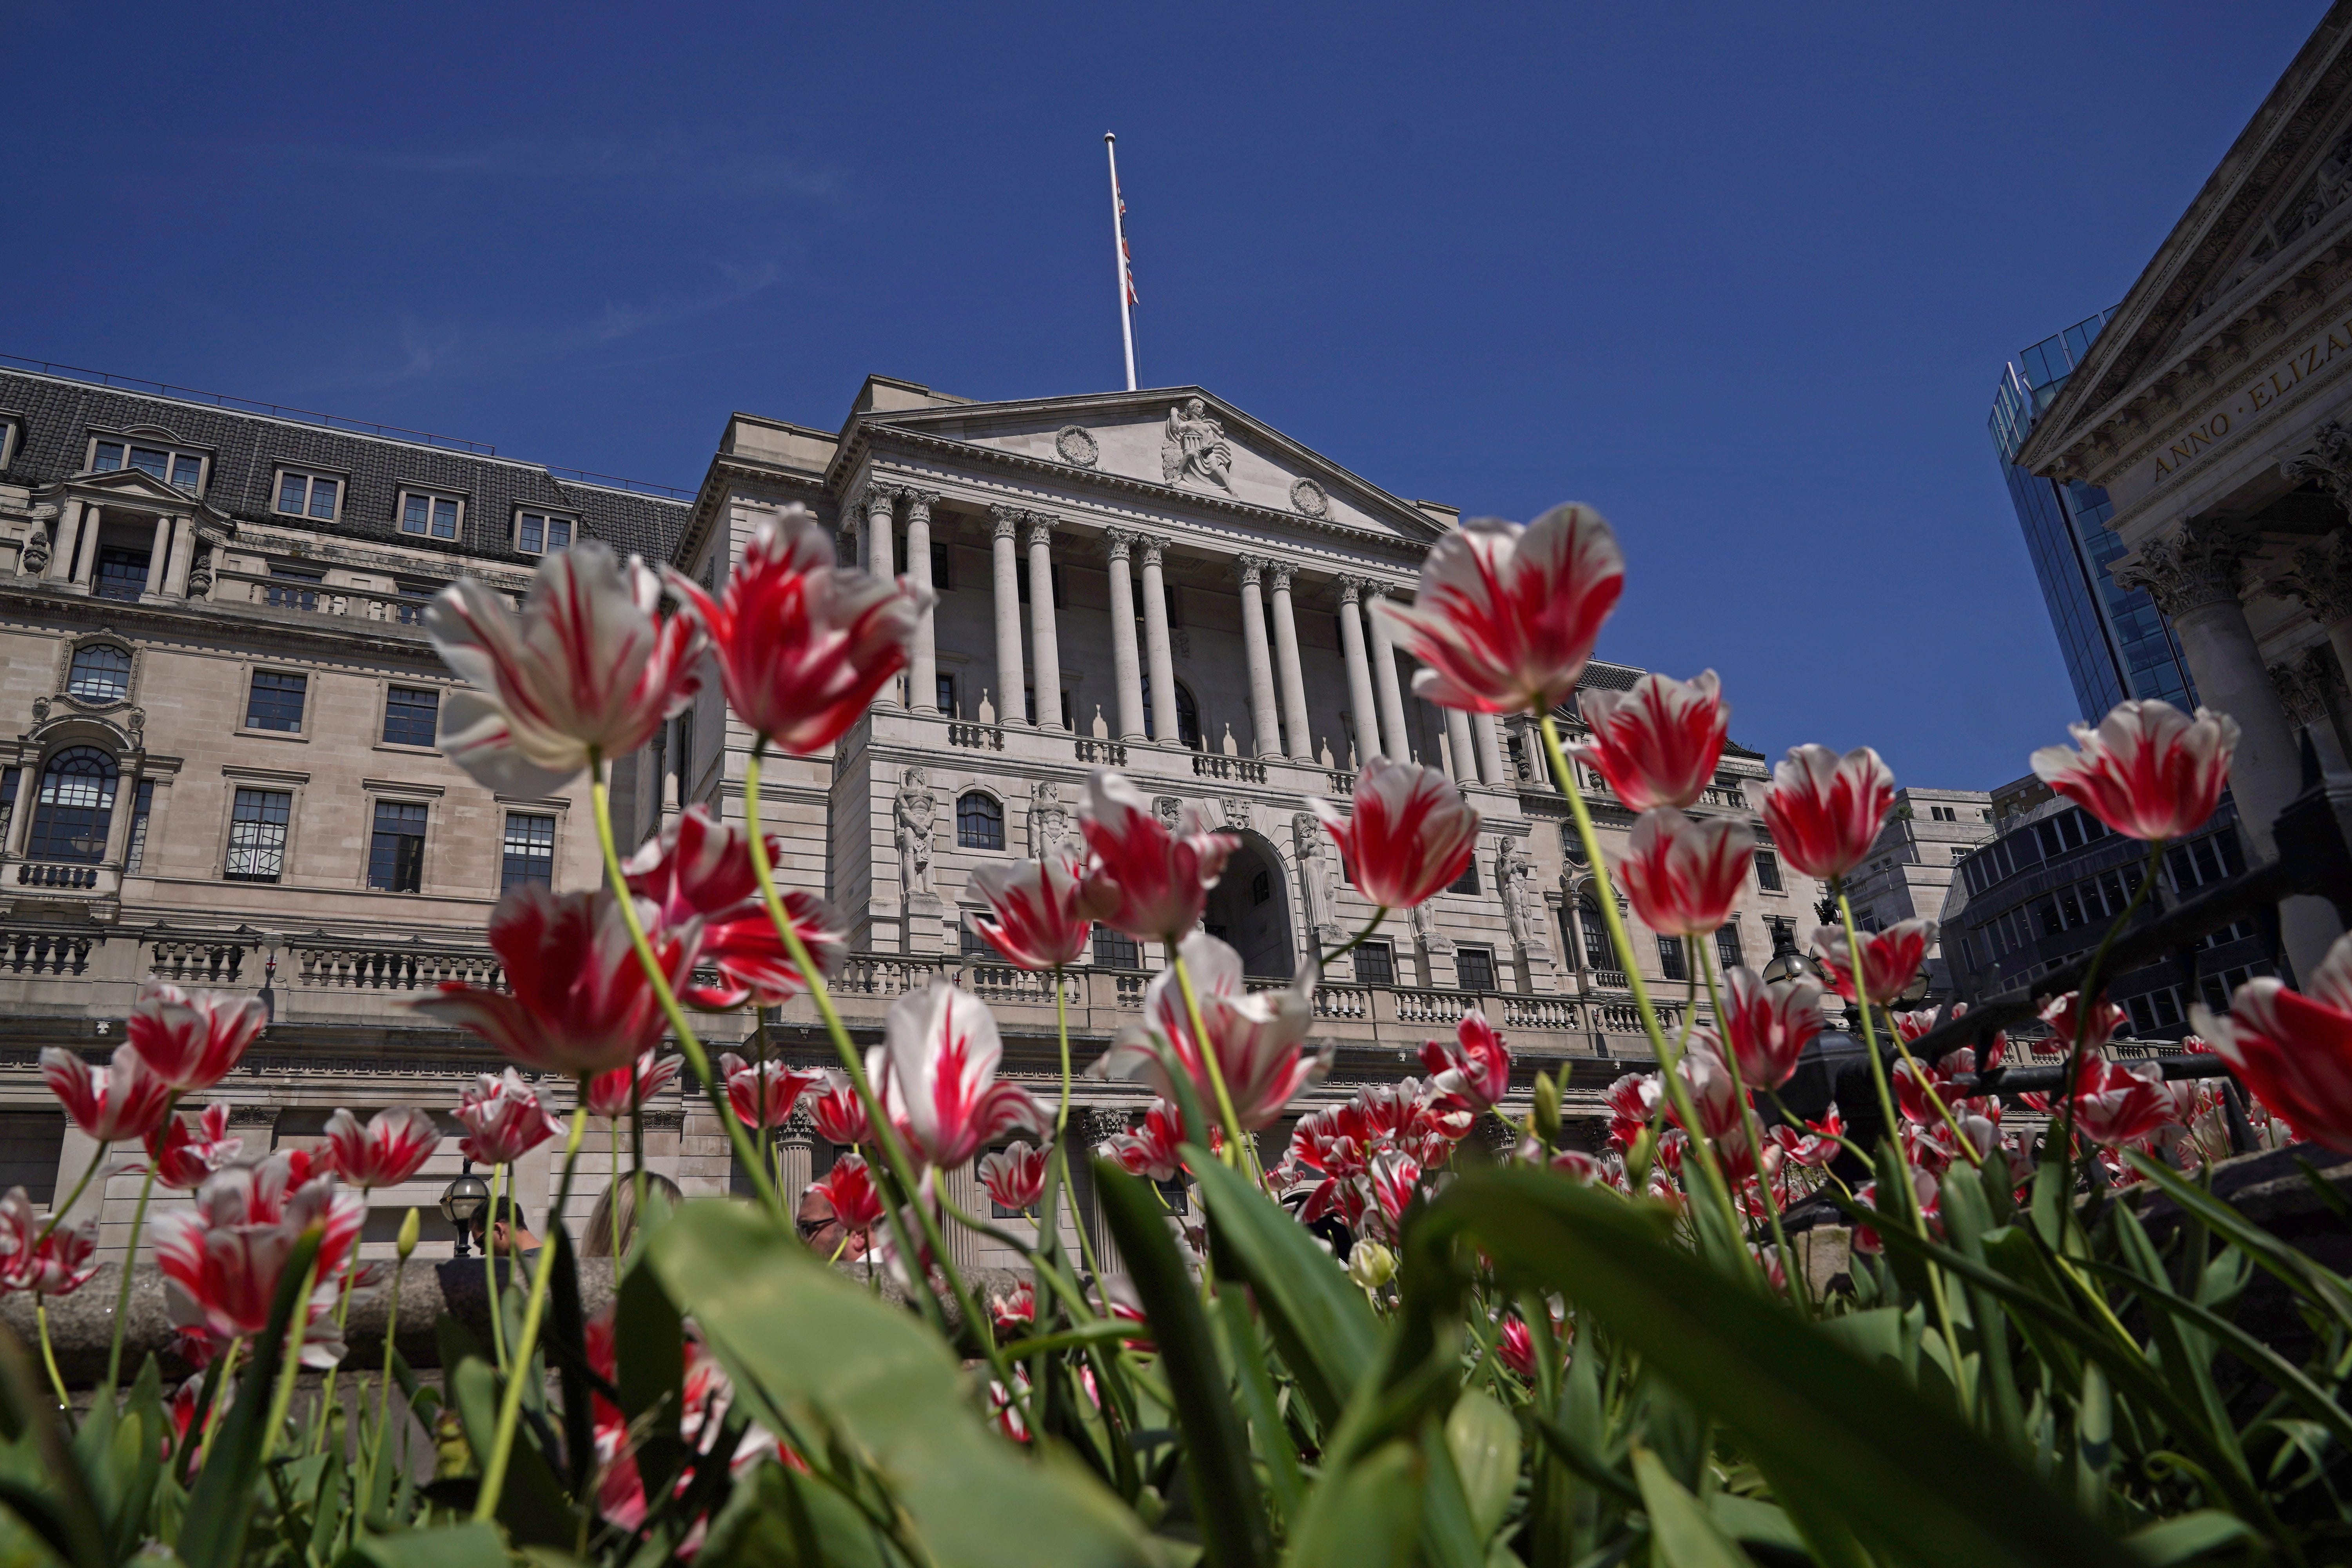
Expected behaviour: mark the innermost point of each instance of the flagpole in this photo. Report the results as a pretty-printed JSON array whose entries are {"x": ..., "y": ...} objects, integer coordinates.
[{"x": 1119, "y": 244}]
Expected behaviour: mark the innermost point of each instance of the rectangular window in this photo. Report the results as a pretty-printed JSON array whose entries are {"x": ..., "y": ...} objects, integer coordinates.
[
  {"x": 537, "y": 532},
  {"x": 1468, "y": 881},
  {"x": 530, "y": 851},
  {"x": 971, "y": 944},
  {"x": 410, "y": 715},
  {"x": 431, "y": 516},
  {"x": 256, "y": 835},
  {"x": 122, "y": 573},
  {"x": 1768, "y": 872},
  {"x": 1474, "y": 968},
  {"x": 1671, "y": 962},
  {"x": 1727, "y": 946},
  {"x": 142, "y": 801},
  {"x": 275, "y": 703},
  {"x": 946, "y": 696},
  {"x": 396, "y": 849},
  {"x": 1115, "y": 950},
  {"x": 105, "y": 456},
  {"x": 1261, "y": 887},
  {"x": 1376, "y": 963},
  {"x": 9, "y": 781},
  {"x": 187, "y": 473},
  {"x": 183, "y": 470},
  {"x": 308, "y": 495},
  {"x": 943, "y": 575}
]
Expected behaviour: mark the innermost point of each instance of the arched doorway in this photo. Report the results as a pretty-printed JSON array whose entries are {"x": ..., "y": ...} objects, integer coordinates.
[{"x": 1250, "y": 908}]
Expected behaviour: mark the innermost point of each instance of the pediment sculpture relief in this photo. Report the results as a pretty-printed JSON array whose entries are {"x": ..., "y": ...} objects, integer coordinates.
[{"x": 1193, "y": 450}]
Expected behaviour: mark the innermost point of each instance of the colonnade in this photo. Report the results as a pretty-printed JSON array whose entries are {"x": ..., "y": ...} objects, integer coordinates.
[
  {"x": 74, "y": 557},
  {"x": 1145, "y": 676}
]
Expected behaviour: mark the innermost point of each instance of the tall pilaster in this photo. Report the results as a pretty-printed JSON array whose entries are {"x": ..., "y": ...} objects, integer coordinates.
[
  {"x": 2193, "y": 578},
  {"x": 1385, "y": 688},
  {"x": 1045, "y": 634},
  {"x": 923, "y": 657},
  {"x": 1264, "y": 718},
  {"x": 1457, "y": 739},
  {"x": 69, "y": 523},
  {"x": 1286, "y": 653},
  {"x": 1491, "y": 766},
  {"x": 159, "y": 556},
  {"x": 1157, "y": 653},
  {"x": 1127, "y": 668},
  {"x": 1360, "y": 668},
  {"x": 1009, "y": 678}
]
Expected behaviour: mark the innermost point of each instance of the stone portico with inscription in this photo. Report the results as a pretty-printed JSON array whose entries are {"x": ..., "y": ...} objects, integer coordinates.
[{"x": 2216, "y": 409}]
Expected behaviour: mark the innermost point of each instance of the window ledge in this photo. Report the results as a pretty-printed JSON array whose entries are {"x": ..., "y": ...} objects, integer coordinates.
[
  {"x": 406, "y": 749},
  {"x": 273, "y": 734}
]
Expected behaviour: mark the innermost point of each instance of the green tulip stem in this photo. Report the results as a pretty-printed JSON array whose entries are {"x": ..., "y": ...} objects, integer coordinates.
[
  {"x": 282, "y": 1398},
  {"x": 1798, "y": 1291},
  {"x": 494, "y": 1473},
  {"x": 122, "y": 1293},
  {"x": 97, "y": 1158},
  {"x": 48, "y": 1355},
  {"x": 490, "y": 1272}
]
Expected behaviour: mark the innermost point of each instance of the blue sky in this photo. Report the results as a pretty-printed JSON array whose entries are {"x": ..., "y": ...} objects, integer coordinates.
[{"x": 1742, "y": 277}]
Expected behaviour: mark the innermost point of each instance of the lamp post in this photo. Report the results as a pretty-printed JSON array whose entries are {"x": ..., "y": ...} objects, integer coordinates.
[{"x": 463, "y": 1200}]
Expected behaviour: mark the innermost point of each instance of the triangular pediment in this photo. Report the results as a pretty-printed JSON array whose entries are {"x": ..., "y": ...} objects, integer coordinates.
[
  {"x": 129, "y": 484},
  {"x": 1182, "y": 439}
]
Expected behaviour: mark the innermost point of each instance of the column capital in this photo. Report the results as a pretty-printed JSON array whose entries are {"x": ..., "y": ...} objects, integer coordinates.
[
  {"x": 2197, "y": 566},
  {"x": 1278, "y": 574},
  {"x": 1354, "y": 590},
  {"x": 881, "y": 500},
  {"x": 918, "y": 502},
  {"x": 2327, "y": 459},
  {"x": 1118, "y": 544},
  {"x": 1155, "y": 549},
  {"x": 1250, "y": 569},
  {"x": 1008, "y": 520},
  {"x": 1041, "y": 528},
  {"x": 2322, "y": 578},
  {"x": 2302, "y": 684}
]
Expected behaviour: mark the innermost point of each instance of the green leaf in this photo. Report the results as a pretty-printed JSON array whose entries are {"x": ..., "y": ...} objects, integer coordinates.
[
  {"x": 466, "y": 1545},
  {"x": 1449, "y": 1536},
  {"x": 1836, "y": 1437},
  {"x": 2298, "y": 1272},
  {"x": 811, "y": 1352},
  {"x": 566, "y": 1343},
  {"x": 1755, "y": 1523},
  {"x": 212, "y": 1533},
  {"x": 2190, "y": 1535},
  {"x": 1321, "y": 1323},
  {"x": 533, "y": 1507},
  {"x": 780, "y": 1520},
  {"x": 1268, "y": 1432},
  {"x": 1216, "y": 1453},
  {"x": 650, "y": 1343},
  {"x": 1681, "y": 1534},
  {"x": 1367, "y": 1516},
  {"x": 1485, "y": 1442}
]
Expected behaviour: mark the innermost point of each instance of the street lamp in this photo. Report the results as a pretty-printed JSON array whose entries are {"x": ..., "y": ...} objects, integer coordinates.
[{"x": 463, "y": 1200}]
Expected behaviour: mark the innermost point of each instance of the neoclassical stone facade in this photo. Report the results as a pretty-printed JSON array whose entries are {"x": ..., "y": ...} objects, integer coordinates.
[
  {"x": 2213, "y": 408},
  {"x": 221, "y": 669}
]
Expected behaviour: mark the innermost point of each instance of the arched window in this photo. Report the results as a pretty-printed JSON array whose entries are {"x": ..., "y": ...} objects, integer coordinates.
[
  {"x": 75, "y": 807},
  {"x": 1188, "y": 716},
  {"x": 1597, "y": 954},
  {"x": 980, "y": 821},
  {"x": 101, "y": 673}
]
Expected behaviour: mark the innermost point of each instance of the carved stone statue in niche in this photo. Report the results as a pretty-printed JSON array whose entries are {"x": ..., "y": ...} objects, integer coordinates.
[
  {"x": 1049, "y": 819},
  {"x": 919, "y": 811},
  {"x": 1315, "y": 877},
  {"x": 1171, "y": 812},
  {"x": 1426, "y": 933},
  {"x": 1523, "y": 906},
  {"x": 1194, "y": 449}
]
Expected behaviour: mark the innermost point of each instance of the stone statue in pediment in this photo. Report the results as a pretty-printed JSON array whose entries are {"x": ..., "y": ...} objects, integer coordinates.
[{"x": 1194, "y": 447}]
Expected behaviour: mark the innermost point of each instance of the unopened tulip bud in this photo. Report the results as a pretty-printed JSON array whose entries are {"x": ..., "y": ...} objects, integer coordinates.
[
  {"x": 1546, "y": 1110},
  {"x": 1371, "y": 1264},
  {"x": 410, "y": 1228},
  {"x": 1639, "y": 1157}
]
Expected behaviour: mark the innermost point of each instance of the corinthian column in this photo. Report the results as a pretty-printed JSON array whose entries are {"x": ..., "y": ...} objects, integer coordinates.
[
  {"x": 1156, "y": 652},
  {"x": 1457, "y": 739},
  {"x": 1384, "y": 681},
  {"x": 1359, "y": 670},
  {"x": 1044, "y": 634},
  {"x": 1127, "y": 669},
  {"x": 2193, "y": 578},
  {"x": 1009, "y": 680},
  {"x": 879, "y": 501},
  {"x": 1264, "y": 719},
  {"x": 1286, "y": 653},
  {"x": 922, "y": 659},
  {"x": 2323, "y": 581}
]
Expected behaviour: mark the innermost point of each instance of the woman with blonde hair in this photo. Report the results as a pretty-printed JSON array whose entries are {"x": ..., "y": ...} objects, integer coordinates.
[{"x": 616, "y": 1214}]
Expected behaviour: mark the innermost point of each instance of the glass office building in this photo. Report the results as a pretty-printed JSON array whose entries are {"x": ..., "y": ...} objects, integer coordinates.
[{"x": 2115, "y": 641}]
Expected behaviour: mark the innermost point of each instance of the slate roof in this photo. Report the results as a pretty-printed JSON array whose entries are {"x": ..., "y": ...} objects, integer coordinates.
[{"x": 60, "y": 414}]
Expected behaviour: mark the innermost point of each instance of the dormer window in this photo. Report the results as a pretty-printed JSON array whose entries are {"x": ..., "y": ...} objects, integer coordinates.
[
  {"x": 430, "y": 516},
  {"x": 182, "y": 470},
  {"x": 539, "y": 533},
  {"x": 305, "y": 494}
]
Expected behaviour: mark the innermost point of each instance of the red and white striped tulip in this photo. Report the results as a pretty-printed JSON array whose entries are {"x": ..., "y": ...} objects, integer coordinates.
[
  {"x": 802, "y": 644},
  {"x": 589, "y": 668},
  {"x": 1142, "y": 877},
  {"x": 506, "y": 1118},
  {"x": 1658, "y": 743},
  {"x": 2294, "y": 1049},
  {"x": 935, "y": 1077},
  {"x": 1258, "y": 1036},
  {"x": 113, "y": 1103},
  {"x": 1825, "y": 810},
  {"x": 191, "y": 1039},
  {"x": 2065, "y": 1016},
  {"x": 857, "y": 1201},
  {"x": 764, "y": 1094},
  {"x": 578, "y": 1002},
  {"x": 2148, "y": 771},
  {"x": 1409, "y": 836},
  {"x": 391, "y": 1148},
  {"x": 1015, "y": 1175},
  {"x": 184, "y": 1156},
  {"x": 2116, "y": 1104},
  {"x": 222, "y": 1256},
  {"x": 1890, "y": 958},
  {"x": 1150, "y": 1149},
  {"x": 57, "y": 1264},
  {"x": 1769, "y": 1025},
  {"x": 1684, "y": 877},
  {"x": 1040, "y": 919},
  {"x": 839, "y": 1114},
  {"x": 1508, "y": 613},
  {"x": 1471, "y": 1074},
  {"x": 700, "y": 869},
  {"x": 618, "y": 1094}
]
